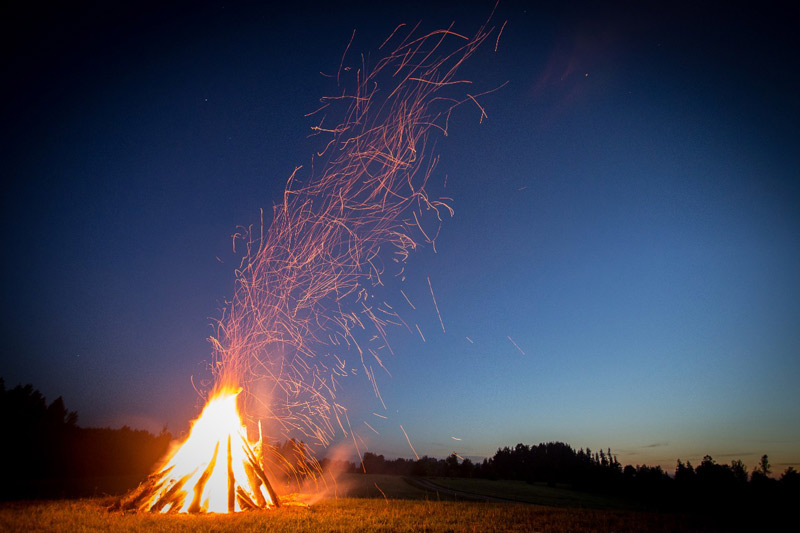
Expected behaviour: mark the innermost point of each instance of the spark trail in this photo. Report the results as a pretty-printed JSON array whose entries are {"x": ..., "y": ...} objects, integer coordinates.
[{"x": 303, "y": 305}]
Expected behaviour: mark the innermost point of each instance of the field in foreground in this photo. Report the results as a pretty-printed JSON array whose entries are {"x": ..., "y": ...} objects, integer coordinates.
[{"x": 346, "y": 514}]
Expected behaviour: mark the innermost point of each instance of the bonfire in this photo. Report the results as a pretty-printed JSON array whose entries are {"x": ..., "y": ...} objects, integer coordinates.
[
  {"x": 303, "y": 298},
  {"x": 217, "y": 469}
]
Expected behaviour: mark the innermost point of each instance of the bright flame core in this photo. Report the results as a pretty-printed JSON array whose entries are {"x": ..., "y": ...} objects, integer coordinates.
[{"x": 215, "y": 470}]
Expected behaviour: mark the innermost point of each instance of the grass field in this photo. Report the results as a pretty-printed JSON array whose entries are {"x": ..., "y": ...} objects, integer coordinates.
[
  {"x": 538, "y": 493},
  {"x": 370, "y": 503},
  {"x": 348, "y": 514}
]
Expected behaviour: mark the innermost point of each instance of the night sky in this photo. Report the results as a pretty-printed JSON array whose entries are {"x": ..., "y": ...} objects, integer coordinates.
[{"x": 621, "y": 270}]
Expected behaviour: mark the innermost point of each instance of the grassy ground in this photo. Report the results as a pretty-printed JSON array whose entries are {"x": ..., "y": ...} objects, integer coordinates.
[
  {"x": 358, "y": 502},
  {"x": 348, "y": 514},
  {"x": 538, "y": 493},
  {"x": 379, "y": 486}
]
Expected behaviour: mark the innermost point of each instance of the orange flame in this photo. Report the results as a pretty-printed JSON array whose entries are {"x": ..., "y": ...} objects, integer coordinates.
[{"x": 215, "y": 470}]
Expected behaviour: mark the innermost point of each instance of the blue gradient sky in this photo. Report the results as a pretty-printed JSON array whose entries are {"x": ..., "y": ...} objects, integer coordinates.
[{"x": 627, "y": 214}]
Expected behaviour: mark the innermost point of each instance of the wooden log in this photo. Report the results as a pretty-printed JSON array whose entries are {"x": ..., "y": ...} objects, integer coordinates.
[
  {"x": 244, "y": 500},
  {"x": 255, "y": 486},
  {"x": 194, "y": 507},
  {"x": 260, "y": 445},
  {"x": 141, "y": 495},
  {"x": 177, "y": 501},
  {"x": 231, "y": 480},
  {"x": 172, "y": 496},
  {"x": 261, "y": 475},
  {"x": 147, "y": 500}
]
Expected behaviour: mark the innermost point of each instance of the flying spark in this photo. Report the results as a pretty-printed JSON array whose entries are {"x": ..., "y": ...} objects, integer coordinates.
[{"x": 304, "y": 299}]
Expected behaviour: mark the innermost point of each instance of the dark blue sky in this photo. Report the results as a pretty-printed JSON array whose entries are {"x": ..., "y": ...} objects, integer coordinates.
[{"x": 627, "y": 214}]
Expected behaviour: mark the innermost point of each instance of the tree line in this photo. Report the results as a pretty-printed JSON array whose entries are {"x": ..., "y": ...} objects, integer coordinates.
[
  {"x": 709, "y": 485},
  {"x": 44, "y": 446},
  {"x": 46, "y": 451}
]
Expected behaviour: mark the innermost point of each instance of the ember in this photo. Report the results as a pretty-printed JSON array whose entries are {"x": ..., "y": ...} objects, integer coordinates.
[{"x": 304, "y": 291}]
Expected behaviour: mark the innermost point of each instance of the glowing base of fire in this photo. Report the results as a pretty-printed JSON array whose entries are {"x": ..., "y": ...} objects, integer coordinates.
[{"x": 215, "y": 470}]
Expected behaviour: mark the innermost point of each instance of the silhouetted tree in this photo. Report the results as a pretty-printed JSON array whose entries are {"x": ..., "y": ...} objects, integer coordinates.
[
  {"x": 629, "y": 473},
  {"x": 739, "y": 471},
  {"x": 684, "y": 474},
  {"x": 791, "y": 478},
  {"x": 42, "y": 441},
  {"x": 760, "y": 476},
  {"x": 372, "y": 464},
  {"x": 427, "y": 466},
  {"x": 451, "y": 465},
  {"x": 763, "y": 466},
  {"x": 466, "y": 468}
]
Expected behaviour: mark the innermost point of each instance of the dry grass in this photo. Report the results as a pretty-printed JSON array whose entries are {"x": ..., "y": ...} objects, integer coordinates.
[
  {"x": 343, "y": 515},
  {"x": 367, "y": 503}
]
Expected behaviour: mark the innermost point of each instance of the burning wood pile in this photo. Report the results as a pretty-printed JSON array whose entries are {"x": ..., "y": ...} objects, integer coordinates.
[{"x": 215, "y": 470}]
